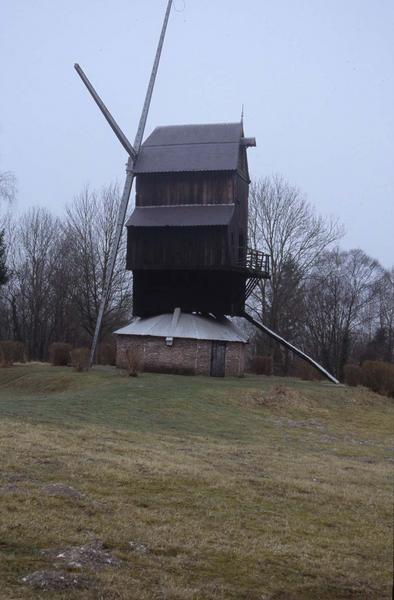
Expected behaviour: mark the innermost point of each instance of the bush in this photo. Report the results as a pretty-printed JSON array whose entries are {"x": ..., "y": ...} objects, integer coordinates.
[
  {"x": 19, "y": 352},
  {"x": 59, "y": 354},
  {"x": 353, "y": 375},
  {"x": 80, "y": 359},
  {"x": 6, "y": 355},
  {"x": 305, "y": 371},
  {"x": 10, "y": 352},
  {"x": 133, "y": 362},
  {"x": 379, "y": 377},
  {"x": 262, "y": 365},
  {"x": 106, "y": 354}
]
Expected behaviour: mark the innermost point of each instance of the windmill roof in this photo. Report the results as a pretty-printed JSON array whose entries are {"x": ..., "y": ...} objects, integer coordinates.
[
  {"x": 185, "y": 325},
  {"x": 210, "y": 147},
  {"x": 181, "y": 216}
]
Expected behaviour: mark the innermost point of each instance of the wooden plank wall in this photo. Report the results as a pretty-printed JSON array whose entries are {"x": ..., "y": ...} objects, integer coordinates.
[
  {"x": 176, "y": 247},
  {"x": 169, "y": 189}
]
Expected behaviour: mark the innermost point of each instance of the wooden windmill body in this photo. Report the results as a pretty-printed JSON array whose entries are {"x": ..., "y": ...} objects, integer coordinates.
[
  {"x": 187, "y": 236},
  {"x": 187, "y": 248}
]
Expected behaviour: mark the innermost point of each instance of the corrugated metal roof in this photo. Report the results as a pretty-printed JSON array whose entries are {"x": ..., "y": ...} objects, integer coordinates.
[
  {"x": 212, "y": 147},
  {"x": 186, "y": 325},
  {"x": 181, "y": 216}
]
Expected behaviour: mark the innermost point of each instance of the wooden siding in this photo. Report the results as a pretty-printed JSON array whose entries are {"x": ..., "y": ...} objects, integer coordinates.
[
  {"x": 177, "y": 247},
  {"x": 217, "y": 292},
  {"x": 165, "y": 189},
  {"x": 190, "y": 267}
]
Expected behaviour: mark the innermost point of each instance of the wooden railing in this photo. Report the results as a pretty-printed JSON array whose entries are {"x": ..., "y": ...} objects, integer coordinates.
[{"x": 254, "y": 260}]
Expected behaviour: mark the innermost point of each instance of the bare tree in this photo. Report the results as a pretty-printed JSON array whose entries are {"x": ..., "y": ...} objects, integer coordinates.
[
  {"x": 379, "y": 335},
  {"x": 339, "y": 297},
  {"x": 7, "y": 186},
  {"x": 29, "y": 293},
  {"x": 283, "y": 224},
  {"x": 89, "y": 230},
  {"x": 3, "y": 266}
]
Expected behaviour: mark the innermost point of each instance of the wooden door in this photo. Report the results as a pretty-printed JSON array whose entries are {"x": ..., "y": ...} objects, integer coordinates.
[{"x": 218, "y": 359}]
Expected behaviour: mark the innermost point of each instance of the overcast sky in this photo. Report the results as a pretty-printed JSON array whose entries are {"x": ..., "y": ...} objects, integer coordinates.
[{"x": 316, "y": 78}]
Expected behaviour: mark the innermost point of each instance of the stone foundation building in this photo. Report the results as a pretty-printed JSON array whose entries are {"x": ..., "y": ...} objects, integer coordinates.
[{"x": 184, "y": 343}]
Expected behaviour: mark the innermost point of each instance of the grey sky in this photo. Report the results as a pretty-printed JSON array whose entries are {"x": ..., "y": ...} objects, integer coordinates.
[{"x": 316, "y": 78}]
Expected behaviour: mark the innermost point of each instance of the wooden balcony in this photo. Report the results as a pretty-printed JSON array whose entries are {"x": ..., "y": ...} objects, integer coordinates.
[{"x": 255, "y": 262}]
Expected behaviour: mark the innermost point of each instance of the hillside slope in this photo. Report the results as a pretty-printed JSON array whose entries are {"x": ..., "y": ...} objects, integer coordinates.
[{"x": 192, "y": 488}]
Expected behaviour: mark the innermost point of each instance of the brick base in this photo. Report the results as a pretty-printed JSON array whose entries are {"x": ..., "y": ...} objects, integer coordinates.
[{"x": 185, "y": 356}]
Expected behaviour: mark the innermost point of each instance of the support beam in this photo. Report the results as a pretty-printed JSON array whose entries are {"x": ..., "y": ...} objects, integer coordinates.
[{"x": 287, "y": 344}]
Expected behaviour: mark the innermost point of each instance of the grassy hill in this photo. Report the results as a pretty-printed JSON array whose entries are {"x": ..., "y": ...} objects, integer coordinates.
[{"x": 192, "y": 488}]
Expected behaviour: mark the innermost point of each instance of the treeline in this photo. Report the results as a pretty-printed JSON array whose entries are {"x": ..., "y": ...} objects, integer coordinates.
[
  {"x": 337, "y": 305},
  {"x": 55, "y": 269}
]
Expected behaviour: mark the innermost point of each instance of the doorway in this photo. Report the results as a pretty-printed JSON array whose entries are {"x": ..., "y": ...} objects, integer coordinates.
[{"x": 218, "y": 359}]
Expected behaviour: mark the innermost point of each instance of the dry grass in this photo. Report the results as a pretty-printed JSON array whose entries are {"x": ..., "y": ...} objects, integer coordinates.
[
  {"x": 133, "y": 362},
  {"x": 237, "y": 489},
  {"x": 59, "y": 354},
  {"x": 80, "y": 359}
]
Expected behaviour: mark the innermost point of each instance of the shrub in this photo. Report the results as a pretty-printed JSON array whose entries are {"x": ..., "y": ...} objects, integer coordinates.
[
  {"x": 59, "y": 354},
  {"x": 133, "y": 362},
  {"x": 6, "y": 359},
  {"x": 106, "y": 354},
  {"x": 10, "y": 352},
  {"x": 80, "y": 359},
  {"x": 305, "y": 371},
  {"x": 353, "y": 375},
  {"x": 379, "y": 377},
  {"x": 262, "y": 365},
  {"x": 19, "y": 352}
]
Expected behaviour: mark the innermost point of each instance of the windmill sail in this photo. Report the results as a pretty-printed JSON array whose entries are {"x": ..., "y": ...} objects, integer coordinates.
[
  {"x": 133, "y": 154},
  {"x": 107, "y": 115}
]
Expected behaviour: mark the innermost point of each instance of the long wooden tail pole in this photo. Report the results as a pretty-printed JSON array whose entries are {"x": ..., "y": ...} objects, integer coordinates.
[
  {"x": 287, "y": 344},
  {"x": 133, "y": 154}
]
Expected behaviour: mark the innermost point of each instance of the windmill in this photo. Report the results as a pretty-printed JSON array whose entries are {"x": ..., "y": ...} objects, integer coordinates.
[{"x": 187, "y": 244}]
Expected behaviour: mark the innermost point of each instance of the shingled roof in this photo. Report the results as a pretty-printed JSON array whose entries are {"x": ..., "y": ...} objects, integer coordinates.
[
  {"x": 175, "y": 148},
  {"x": 181, "y": 216}
]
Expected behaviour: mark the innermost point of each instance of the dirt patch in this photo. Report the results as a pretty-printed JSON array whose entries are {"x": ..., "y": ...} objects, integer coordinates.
[
  {"x": 305, "y": 424},
  {"x": 277, "y": 397},
  {"x": 31, "y": 383},
  {"x": 328, "y": 592},
  {"x": 57, "y": 581},
  {"x": 61, "y": 489},
  {"x": 12, "y": 488},
  {"x": 139, "y": 548},
  {"x": 93, "y": 556},
  {"x": 18, "y": 478}
]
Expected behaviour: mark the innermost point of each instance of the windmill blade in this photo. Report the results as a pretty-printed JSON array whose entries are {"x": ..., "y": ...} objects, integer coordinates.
[
  {"x": 128, "y": 185},
  {"x": 148, "y": 97},
  {"x": 287, "y": 344},
  {"x": 107, "y": 115}
]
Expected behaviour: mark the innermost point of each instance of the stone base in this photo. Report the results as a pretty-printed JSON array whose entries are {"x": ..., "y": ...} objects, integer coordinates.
[{"x": 185, "y": 356}]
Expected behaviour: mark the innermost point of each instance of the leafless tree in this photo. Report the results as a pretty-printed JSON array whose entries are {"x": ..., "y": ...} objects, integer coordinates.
[
  {"x": 379, "y": 335},
  {"x": 339, "y": 296},
  {"x": 283, "y": 224},
  {"x": 29, "y": 294},
  {"x": 89, "y": 230},
  {"x": 7, "y": 186}
]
